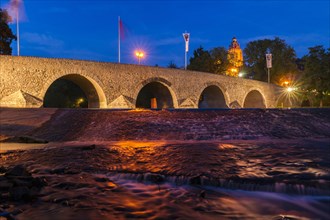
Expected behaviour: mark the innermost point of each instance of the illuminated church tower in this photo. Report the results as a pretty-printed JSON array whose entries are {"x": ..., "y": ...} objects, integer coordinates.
[{"x": 235, "y": 58}]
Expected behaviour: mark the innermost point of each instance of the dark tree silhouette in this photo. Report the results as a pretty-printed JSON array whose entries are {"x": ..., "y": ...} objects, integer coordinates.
[
  {"x": 283, "y": 61},
  {"x": 6, "y": 35}
]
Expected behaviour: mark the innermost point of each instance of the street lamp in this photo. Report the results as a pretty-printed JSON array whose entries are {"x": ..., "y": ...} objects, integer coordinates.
[
  {"x": 139, "y": 55},
  {"x": 268, "y": 64},
  {"x": 290, "y": 90}
]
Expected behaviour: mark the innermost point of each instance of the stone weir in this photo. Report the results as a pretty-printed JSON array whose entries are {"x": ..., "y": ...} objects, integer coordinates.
[{"x": 212, "y": 125}]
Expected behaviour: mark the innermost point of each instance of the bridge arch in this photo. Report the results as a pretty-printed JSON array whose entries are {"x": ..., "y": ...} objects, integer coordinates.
[
  {"x": 158, "y": 88},
  {"x": 212, "y": 96},
  {"x": 88, "y": 87},
  {"x": 254, "y": 99}
]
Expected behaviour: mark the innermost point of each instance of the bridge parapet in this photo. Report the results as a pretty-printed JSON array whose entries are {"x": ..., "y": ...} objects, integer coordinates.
[{"x": 25, "y": 81}]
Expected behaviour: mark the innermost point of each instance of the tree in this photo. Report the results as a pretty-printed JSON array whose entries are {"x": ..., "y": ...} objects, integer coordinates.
[
  {"x": 201, "y": 61},
  {"x": 6, "y": 35},
  {"x": 283, "y": 62},
  {"x": 219, "y": 59},
  {"x": 172, "y": 65},
  {"x": 316, "y": 75}
]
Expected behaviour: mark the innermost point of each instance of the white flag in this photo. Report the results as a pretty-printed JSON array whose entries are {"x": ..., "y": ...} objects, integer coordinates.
[
  {"x": 269, "y": 60},
  {"x": 186, "y": 39}
]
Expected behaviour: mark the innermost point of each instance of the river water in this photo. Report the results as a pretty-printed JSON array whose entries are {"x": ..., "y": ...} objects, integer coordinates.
[
  {"x": 233, "y": 164},
  {"x": 177, "y": 180}
]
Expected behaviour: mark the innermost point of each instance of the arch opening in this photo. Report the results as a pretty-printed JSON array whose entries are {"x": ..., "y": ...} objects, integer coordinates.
[
  {"x": 212, "y": 97},
  {"x": 154, "y": 95},
  {"x": 254, "y": 99},
  {"x": 71, "y": 91}
]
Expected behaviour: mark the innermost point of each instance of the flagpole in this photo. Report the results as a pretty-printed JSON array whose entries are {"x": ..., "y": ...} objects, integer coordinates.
[
  {"x": 118, "y": 39},
  {"x": 17, "y": 31},
  {"x": 185, "y": 57},
  {"x": 186, "y": 40}
]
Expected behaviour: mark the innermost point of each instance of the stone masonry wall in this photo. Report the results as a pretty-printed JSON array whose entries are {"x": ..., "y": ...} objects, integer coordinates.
[{"x": 119, "y": 84}]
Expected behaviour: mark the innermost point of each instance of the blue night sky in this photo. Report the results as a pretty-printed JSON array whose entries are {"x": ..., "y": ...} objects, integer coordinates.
[{"x": 88, "y": 30}]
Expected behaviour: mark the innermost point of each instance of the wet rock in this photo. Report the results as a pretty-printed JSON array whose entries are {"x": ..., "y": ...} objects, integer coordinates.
[
  {"x": 67, "y": 203},
  {"x": 3, "y": 169},
  {"x": 5, "y": 185},
  {"x": 90, "y": 147},
  {"x": 196, "y": 180},
  {"x": 101, "y": 179},
  {"x": 202, "y": 194},
  {"x": 26, "y": 139},
  {"x": 286, "y": 217},
  {"x": 60, "y": 170},
  {"x": 18, "y": 184},
  {"x": 71, "y": 185},
  {"x": 154, "y": 178},
  {"x": 39, "y": 182},
  {"x": 20, "y": 193},
  {"x": 6, "y": 216},
  {"x": 59, "y": 200},
  {"x": 5, "y": 206},
  {"x": 21, "y": 180},
  {"x": 17, "y": 212},
  {"x": 18, "y": 170},
  {"x": 4, "y": 196}
]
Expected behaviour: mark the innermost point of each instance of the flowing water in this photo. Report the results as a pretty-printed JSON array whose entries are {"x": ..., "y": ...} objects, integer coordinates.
[
  {"x": 172, "y": 165},
  {"x": 208, "y": 202}
]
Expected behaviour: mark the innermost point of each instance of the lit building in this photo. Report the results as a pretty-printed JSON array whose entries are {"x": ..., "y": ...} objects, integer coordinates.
[{"x": 235, "y": 58}]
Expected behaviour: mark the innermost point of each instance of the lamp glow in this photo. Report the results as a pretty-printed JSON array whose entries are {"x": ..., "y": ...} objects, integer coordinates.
[{"x": 139, "y": 55}]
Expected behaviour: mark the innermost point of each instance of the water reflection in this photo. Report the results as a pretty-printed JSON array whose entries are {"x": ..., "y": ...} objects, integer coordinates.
[
  {"x": 219, "y": 203},
  {"x": 176, "y": 179}
]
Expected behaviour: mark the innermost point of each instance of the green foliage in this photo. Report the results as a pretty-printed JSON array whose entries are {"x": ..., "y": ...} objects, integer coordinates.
[
  {"x": 219, "y": 60},
  {"x": 214, "y": 61},
  {"x": 6, "y": 35},
  {"x": 283, "y": 61},
  {"x": 201, "y": 61},
  {"x": 316, "y": 77}
]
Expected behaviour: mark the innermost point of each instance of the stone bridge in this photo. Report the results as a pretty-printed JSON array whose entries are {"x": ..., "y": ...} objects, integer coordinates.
[{"x": 26, "y": 81}]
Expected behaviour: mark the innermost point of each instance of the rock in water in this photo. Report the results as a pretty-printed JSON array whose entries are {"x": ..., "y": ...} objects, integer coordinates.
[{"x": 18, "y": 170}]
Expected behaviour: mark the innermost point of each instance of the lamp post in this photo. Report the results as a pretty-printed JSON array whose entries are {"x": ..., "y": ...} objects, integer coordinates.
[
  {"x": 269, "y": 64},
  {"x": 139, "y": 55}
]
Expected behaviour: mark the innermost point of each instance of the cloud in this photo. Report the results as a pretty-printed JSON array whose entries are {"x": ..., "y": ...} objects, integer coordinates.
[
  {"x": 168, "y": 41},
  {"x": 178, "y": 40},
  {"x": 42, "y": 40},
  {"x": 53, "y": 47}
]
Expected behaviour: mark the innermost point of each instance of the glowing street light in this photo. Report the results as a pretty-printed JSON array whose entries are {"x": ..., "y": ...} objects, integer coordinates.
[
  {"x": 241, "y": 74},
  {"x": 139, "y": 55},
  {"x": 233, "y": 70},
  {"x": 290, "y": 89}
]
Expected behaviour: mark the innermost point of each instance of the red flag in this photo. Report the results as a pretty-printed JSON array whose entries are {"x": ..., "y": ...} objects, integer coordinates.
[
  {"x": 121, "y": 29},
  {"x": 14, "y": 8}
]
